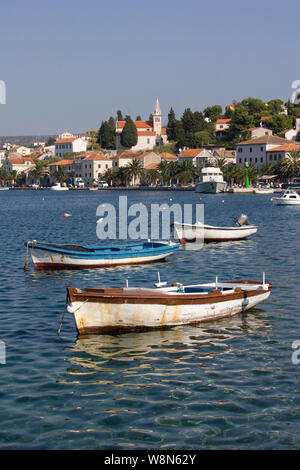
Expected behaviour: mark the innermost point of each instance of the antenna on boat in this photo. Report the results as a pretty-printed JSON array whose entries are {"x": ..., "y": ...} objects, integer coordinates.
[
  {"x": 264, "y": 277},
  {"x": 216, "y": 282},
  {"x": 127, "y": 283}
]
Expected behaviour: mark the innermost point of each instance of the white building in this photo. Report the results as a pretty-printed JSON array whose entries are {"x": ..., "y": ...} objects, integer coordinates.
[
  {"x": 22, "y": 150},
  {"x": 289, "y": 134},
  {"x": 149, "y": 133},
  {"x": 198, "y": 157},
  {"x": 18, "y": 163},
  {"x": 69, "y": 145},
  {"x": 275, "y": 154},
  {"x": 221, "y": 126},
  {"x": 254, "y": 151},
  {"x": 91, "y": 167},
  {"x": 259, "y": 132}
]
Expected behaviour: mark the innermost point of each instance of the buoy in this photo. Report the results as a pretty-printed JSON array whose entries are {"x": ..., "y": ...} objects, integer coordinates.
[
  {"x": 222, "y": 200},
  {"x": 66, "y": 215}
]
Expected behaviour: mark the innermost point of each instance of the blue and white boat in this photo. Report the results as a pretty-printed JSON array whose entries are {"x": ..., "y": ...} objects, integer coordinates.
[{"x": 51, "y": 256}]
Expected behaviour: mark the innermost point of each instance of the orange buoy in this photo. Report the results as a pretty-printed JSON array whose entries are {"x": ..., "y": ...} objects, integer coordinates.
[{"x": 66, "y": 215}]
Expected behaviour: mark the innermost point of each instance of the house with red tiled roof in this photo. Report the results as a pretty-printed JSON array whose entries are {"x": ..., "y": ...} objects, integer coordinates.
[
  {"x": 18, "y": 163},
  {"x": 149, "y": 133},
  {"x": 169, "y": 157},
  {"x": 275, "y": 154},
  {"x": 69, "y": 145},
  {"x": 198, "y": 157},
  {"x": 289, "y": 134},
  {"x": 259, "y": 132},
  {"x": 254, "y": 151}
]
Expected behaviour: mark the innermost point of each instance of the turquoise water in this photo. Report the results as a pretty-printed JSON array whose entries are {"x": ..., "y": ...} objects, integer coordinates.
[{"x": 223, "y": 385}]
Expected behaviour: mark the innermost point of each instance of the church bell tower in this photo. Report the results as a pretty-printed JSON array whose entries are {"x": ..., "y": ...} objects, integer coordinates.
[{"x": 157, "y": 118}]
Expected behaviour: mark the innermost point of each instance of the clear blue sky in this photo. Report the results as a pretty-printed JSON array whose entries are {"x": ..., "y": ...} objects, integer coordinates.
[{"x": 68, "y": 65}]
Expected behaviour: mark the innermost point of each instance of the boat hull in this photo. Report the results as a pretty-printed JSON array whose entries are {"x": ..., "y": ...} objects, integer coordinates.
[
  {"x": 285, "y": 202},
  {"x": 106, "y": 315},
  {"x": 44, "y": 259},
  {"x": 211, "y": 187},
  {"x": 191, "y": 233}
]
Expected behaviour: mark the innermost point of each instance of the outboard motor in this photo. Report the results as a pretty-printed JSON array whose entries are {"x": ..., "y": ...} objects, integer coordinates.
[{"x": 242, "y": 220}]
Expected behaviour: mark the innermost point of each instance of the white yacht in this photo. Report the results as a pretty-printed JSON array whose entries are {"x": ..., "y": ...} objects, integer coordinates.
[
  {"x": 211, "y": 181},
  {"x": 58, "y": 187},
  {"x": 288, "y": 197}
]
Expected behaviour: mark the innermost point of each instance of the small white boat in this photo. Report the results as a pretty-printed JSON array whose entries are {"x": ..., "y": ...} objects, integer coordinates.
[
  {"x": 109, "y": 310},
  {"x": 211, "y": 181},
  {"x": 4, "y": 188},
  {"x": 50, "y": 256},
  {"x": 288, "y": 197},
  {"x": 59, "y": 187},
  {"x": 263, "y": 191},
  {"x": 190, "y": 233}
]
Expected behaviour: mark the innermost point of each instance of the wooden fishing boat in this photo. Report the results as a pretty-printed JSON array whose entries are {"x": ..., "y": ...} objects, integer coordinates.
[
  {"x": 190, "y": 233},
  {"x": 50, "y": 256},
  {"x": 108, "y": 310}
]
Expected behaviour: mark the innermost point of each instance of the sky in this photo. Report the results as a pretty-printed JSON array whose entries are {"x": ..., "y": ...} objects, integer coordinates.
[{"x": 70, "y": 64}]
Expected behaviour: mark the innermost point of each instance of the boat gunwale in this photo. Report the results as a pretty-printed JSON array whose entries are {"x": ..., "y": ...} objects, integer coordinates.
[{"x": 148, "y": 296}]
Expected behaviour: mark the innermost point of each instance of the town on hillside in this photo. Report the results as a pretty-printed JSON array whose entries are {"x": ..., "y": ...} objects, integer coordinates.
[{"x": 249, "y": 140}]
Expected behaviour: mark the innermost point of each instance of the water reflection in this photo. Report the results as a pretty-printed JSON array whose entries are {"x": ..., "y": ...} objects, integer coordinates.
[{"x": 176, "y": 344}]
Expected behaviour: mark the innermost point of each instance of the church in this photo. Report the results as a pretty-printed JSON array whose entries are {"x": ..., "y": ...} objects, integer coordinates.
[{"x": 149, "y": 133}]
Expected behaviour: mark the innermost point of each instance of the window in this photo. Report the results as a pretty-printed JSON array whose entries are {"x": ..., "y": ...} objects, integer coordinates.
[
  {"x": 271, "y": 158},
  {"x": 250, "y": 149},
  {"x": 99, "y": 166},
  {"x": 148, "y": 141},
  {"x": 275, "y": 157},
  {"x": 250, "y": 159},
  {"x": 261, "y": 159},
  {"x": 261, "y": 149},
  {"x": 240, "y": 150},
  {"x": 255, "y": 159}
]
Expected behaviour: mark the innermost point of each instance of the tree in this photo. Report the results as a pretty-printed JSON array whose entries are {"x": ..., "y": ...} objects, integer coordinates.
[
  {"x": 274, "y": 106},
  {"x": 38, "y": 172},
  {"x": 240, "y": 122},
  {"x": 108, "y": 176},
  {"x": 290, "y": 166},
  {"x": 134, "y": 170},
  {"x": 129, "y": 136},
  {"x": 175, "y": 130},
  {"x": 213, "y": 112},
  {"x": 50, "y": 141},
  {"x": 138, "y": 118},
  {"x": 186, "y": 172},
  {"x": 279, "y": 122},
  {"x": 253, "y": 105},
  {"x": 60, "y": 174},
  {"x": 164, "y": 170},
  {"x": 120, "y": 115},
  {"x": 107, "y": 134}
]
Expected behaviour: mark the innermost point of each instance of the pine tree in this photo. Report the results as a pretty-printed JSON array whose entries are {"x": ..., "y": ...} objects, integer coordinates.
[{"x": 129, "y": 135}]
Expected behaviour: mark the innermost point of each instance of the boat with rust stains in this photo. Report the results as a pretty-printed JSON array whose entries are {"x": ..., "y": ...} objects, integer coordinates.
[
  {"x": 51, "y": 256},
  {"x": 110, "y": 310}
]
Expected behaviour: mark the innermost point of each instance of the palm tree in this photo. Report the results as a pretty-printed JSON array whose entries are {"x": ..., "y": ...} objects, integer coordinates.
[
  {"x": 290, "y": 166},
  {"x": 39, "y": 171},
  {"x": 109, "y": 176},
  {"x": 60, "y": 174},
  {"x": 174, "y": 170},
  {"x": 187, "y": 171},
  {"x": 164, "y": 170},
  {"x": 221, "y": 163},
  {"x": 134, "y": 170},
  {"x": 4, "y": 176}
]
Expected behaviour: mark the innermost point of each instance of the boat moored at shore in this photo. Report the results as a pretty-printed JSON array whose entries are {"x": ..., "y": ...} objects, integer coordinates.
[{"x": 211, "y": 181}]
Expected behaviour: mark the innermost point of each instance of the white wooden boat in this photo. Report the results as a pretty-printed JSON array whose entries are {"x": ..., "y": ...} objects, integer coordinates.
[
  {"x": 288, "y": 197},
  {"x": 211, "y": 181},
  {"x": 50, "y": 256},
  {"x": 189, "y": 233},
  {"x": 108, "y": 310},
  {"x": 59, "y": 187}
]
